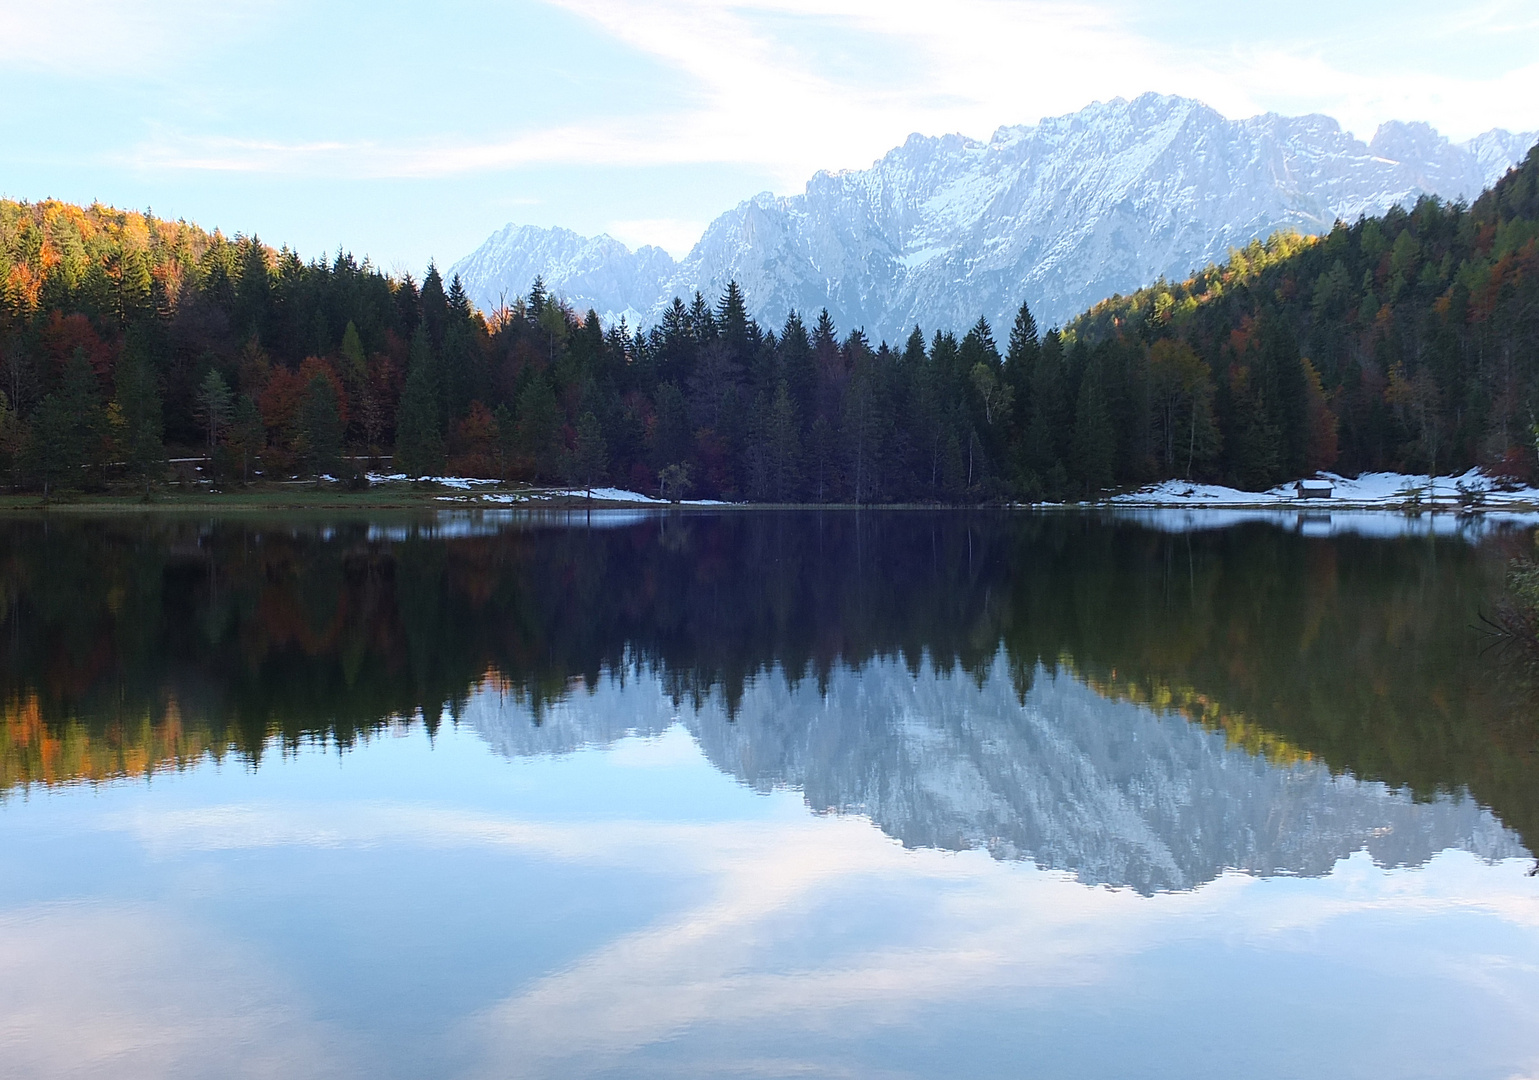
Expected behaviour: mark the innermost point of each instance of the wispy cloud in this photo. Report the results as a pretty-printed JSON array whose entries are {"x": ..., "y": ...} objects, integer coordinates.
[
  {"x": 791, "y": 86},
  {"x": 974, "y": 928},
  {"x": 134, "y": 991},
  {"x": 475, "y": 102}
]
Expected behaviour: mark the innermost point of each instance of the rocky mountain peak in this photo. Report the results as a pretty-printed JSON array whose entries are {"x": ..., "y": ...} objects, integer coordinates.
[{"x": 1060, "y": 214}]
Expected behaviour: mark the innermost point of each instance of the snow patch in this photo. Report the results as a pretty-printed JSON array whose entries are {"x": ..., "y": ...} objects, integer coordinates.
[{"x": 1370, "y": 490}]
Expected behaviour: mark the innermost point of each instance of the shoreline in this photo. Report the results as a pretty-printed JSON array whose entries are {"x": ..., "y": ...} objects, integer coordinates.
[
  {"x": 535, "y": 501},
  {"x": 1469, "y": 495}
]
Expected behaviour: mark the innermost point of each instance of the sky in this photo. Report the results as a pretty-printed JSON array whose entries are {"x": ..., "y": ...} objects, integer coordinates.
[{"x": 408, "y": 132}]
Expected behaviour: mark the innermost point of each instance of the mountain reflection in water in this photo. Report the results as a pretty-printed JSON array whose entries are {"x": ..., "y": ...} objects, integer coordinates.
[
  {"x": 1111, "y": 791},
  {"x": 1139, "y": 707}
]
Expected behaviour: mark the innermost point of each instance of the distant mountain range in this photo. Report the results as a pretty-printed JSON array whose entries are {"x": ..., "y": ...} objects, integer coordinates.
[{"x": 1061, "y": 214}]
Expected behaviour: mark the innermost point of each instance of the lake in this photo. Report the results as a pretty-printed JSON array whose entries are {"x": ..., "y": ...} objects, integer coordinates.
[{"x": 765, "y": 794}]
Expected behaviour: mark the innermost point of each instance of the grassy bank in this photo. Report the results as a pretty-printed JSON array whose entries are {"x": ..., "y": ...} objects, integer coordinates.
[{"x": 296, "y": 496}]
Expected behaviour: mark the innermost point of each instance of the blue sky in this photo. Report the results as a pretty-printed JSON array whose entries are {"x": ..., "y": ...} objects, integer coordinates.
[{"x": 410, "y": 131}]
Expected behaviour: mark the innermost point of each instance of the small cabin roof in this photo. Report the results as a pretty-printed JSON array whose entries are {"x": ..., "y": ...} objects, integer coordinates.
[{"x": 1316, "y": 485}]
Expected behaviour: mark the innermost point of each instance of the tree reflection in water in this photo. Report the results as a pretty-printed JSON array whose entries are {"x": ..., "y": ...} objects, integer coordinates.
[{"x": 135, "y": 644}]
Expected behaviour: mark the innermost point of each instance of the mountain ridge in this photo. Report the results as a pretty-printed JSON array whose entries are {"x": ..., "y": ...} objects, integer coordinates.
[{"x": 1062, "y": 213}]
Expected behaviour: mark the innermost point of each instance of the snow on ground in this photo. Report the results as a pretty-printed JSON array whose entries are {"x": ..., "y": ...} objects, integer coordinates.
[
  {"x": 459, "y": 483},
  {"x": 470, "y": 483},
  {"x": 1368, "y": 491},
  {"x": 608, "y": 495}
]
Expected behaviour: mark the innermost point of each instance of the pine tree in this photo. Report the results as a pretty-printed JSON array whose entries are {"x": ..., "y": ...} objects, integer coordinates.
[
  {"x": 138, "y": 407},
  {"x": 135, "y": 290},
  {"x": 535, "y": 303},
  {"x": 354, "y": 366},
  {"x": 80, "y": 394},
  {"x": 214, "y": 404},
  {"x": 1021, "y": 358},
  {"x": 248, "y": 435},
  {"x": 419, "y": 438},
  {"x": 320, "y": 428},
  {"x": 1045, "y": 437},
  {"x": 1095, "y": 447},
  {"x": 734, "y": 328},
  {"x": 821, "y": 457},
  {"x": 253, "y": 291},
  {"x": 673, "y": 439},
  {"x": 590, "y": 454},
  {"x": 798, "y": 368},
  {"x": 13, "y": 436},
  {"x": 53, "y": 448},
  {"x": 435, "y": 306},
  {"x": 538, "y": 426},
  {"x": 702, "y": 321},
  {"x": 784, "y": 445},
  {"x": 458, "y": 366}
]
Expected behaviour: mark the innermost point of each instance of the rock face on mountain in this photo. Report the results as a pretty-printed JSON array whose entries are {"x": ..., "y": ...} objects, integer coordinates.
[
  {"x": 1061, "y": 214},
  {"x": 1109, "y": 791},
  {"x": 599, "y": 270}
]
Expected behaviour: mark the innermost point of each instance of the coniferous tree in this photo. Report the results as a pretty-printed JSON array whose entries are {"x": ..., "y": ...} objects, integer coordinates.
[
  {"x": 138, "y": 408},
  {"x": 53, "y": 447},
  {"x": 798, "y": 367},
  {"x": 590, "y": 454},
  {"x": 1095, "y": 447},
  {"x": 215, "y": 402},
  {"x": 253, "y": 292},
  {"x": 784, "y": 446},
  {"x": 672, "y": 434},
  {"x": 419, "y": 440},
  {"x": 434, "y": 304},
  {"x": 1021, "y": 359},
  {"x": 248, "y": 435},
  {"x": 320, "y": 427},
  {"x": 539, "y": 426},
  {"x": 13, "y": 435},
  {"x": 1045, "y": 439},
  {"x": 79, "y": 394},
  {"x": 353, "y": 367},
  {"x": 821, "y": 454}
]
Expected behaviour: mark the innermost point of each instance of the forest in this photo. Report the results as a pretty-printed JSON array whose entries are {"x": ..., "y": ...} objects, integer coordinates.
[{"x": 1406, "y": 342}]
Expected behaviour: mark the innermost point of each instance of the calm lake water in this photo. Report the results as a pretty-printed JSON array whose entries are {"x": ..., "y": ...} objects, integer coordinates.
[{"x": 764, "y": 795}]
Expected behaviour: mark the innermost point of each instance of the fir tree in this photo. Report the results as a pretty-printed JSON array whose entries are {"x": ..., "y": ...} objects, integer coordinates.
[
  {"x": 138, "y": 409},
  {"x": 784, "y": 446},
  {"x": 53, "y": 448},
  {"x": 419, "y": 439},
  {"x": 73, "y": 433},
  {"x": 248, "y": 435},
  {"x": 538, "y": 426},
  {"x": 354, "y": 366},
  {"x": 1095, "y": 448},
  {"x": 214, "y": 404},
  {"x": 320, "y": 428},
  {"x": 590, "y": 454},
  {"x": 798, "y": 368}
]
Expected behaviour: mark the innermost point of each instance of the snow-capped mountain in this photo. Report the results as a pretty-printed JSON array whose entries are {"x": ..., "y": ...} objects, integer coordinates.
[
  {"x": 1110, "y": 791},
  {"x": 591, "y": 271},
  {"x": 1061, "y": 214}
]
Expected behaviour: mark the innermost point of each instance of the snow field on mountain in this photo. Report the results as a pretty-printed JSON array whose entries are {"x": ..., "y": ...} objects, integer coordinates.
[{"x": 1061, "y": 214}]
